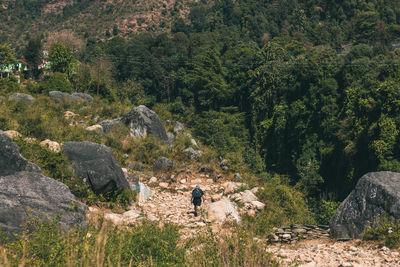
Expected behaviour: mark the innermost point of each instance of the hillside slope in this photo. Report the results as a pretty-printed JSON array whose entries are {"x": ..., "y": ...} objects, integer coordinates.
[{"x": 20, "y": 20}]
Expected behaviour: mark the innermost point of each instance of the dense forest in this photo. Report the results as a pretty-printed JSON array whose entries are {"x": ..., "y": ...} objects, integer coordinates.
[{"x": 307, "y": 89}]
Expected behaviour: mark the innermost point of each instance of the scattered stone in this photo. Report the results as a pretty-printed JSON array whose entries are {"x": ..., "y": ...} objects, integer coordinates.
[
  {"x": 179, "y": 127},
  {"x": 13, "y": 134},
  {"x": 224, "y": 165},
  {"x": 258, "y": 205},
  {"x": 192, "y": 153},
  {"x": 51, "y": 145},
  {"x": 254, "y": 190},
  {"x": 171, "y": 137},
  {"x": 237, "y": 176},
  {"x": 231, "y": 187},
  {"x": 248, "y": 197},
  {"x": 108, "y": 125},
  {"x": 375, "y": 194},
  {"x": 223, "y": 210},
  {"x": 153, "y": 180},
  {"x": 193, "y": 142},
  {"x": 97, "y": 164},
  {"x": 95, "y": 128},
  {"x": 69, "y": 115},
  {"x": 163, "y": 185},
  {"x": 144, "y": 192},
  {"x": 22, "y": 97},
  {"x": 183, "y": 181},
  {"x": 163, "y": 163}
]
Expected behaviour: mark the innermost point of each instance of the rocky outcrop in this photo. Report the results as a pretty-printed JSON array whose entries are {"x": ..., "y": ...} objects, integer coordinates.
[
  {"x": 223, "y": 210},
  {"x": 376, "y": 194},
  {"x": 141, "y": 122},
  {"x": 22, "y": 97},
  {"x": 61, "y": 96},
  {"x": 96, "y": 163},
  {"x": 192, "y": 153},
  {"x": 25, "y": 192}
]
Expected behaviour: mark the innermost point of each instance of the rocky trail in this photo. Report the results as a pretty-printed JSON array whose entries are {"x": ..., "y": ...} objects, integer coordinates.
[{"x": 326, "y": 252}]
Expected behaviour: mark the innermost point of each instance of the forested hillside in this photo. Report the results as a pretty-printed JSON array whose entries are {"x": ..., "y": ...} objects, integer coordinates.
[{"x": 307, "y": 89}]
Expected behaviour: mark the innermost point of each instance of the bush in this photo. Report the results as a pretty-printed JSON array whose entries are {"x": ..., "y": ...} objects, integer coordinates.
[
  {"x": 56, "y": 82},
  {"x": 386, "y": 231},
  {"x": 284, "y": 205}
]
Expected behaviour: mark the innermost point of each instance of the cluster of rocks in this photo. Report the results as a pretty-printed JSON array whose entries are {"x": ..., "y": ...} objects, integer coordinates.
[
  {"x": 327, "y": 253},
  {"x": 22, "y": 97},
  {"x": 293, "y": 233},
  {"x": 25, "y": 192},
  {"x": 50, "y": 145},
  {"x": 75, "y": 97}
]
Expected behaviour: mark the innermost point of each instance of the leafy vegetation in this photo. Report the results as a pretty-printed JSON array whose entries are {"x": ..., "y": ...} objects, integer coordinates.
[{"x": 385, "y": 231}]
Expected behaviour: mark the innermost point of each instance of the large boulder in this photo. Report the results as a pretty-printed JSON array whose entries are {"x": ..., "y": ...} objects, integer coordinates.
[
  {"x": 376, "y": 194},
  {"x": 25, "y": 192},
  {"x": 96, "y": 163},
  {"x": 223, "y": 210},
  {"x": 141, "y": 121}
]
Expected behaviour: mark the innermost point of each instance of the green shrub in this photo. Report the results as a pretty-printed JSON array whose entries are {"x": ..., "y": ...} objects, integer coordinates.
[
  {"x": 56, "y": 82},
  {"x": 284, "y": 205},
  {"x": 386, "y": 231},
  {"x": 325, "y": 210}
]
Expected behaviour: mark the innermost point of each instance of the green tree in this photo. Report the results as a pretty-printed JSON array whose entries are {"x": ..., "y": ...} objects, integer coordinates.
[
  {"x": 6, "y": 56},
  {"x": 61, "y": 59},
  {"x": 33, "y": 55}
]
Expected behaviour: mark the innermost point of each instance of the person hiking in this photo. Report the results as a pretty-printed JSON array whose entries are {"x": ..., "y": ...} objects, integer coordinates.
[{"x": 197, "y": 196}]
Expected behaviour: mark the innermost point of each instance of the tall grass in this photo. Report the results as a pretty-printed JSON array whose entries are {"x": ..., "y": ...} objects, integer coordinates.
[{"x": 142, "y": 245}]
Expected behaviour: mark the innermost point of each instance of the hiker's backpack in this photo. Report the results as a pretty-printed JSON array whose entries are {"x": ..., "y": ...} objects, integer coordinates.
[{"x": 197, "y": 193}]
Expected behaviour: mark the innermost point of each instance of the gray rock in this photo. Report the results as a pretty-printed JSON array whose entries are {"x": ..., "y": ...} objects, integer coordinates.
[
  {"x": 192, "y": 153},
  {"x": 171, "y": 137},
  {"x": 143, "y": 121},
  {"x": 145, "y": 192},
  {"x": 10, "y": 159},
  {"x": 376, "y": 194},
  {"x": 21, "y": 97},
  {"x": 61, "y": 96},
  {"x": 25, "y": 192},
  {"x": 237, "y": 176},
  {"x": 97, "y": 164},
  {"x": 224, "y": 164},
  {"x": 31, "y": 194},
  {"x": 179, "y": 127},
  {"x": 85, "y": 97},
  {"x": 108, "y": 125},
  {"x": 163, "y": 164}
]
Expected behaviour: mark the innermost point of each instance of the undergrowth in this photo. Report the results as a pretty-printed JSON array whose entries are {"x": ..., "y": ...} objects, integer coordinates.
[
  {"x": 146, "y": 244},
  {"x": 385, "y": 231}
]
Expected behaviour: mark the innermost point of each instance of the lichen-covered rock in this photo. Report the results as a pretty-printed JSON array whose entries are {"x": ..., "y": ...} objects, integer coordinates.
[
  {"x": 25, "y": 192},
  {"x": 141, "y": 122},
  {"x": 13, "y": 134},
  {"x": 76, "y": 97},
  {"x": 97, "y": 164},
  {"x": 22, "y": 97},
  {"x": 376, "y": 194},
  {"x": 83, "y": 96},
  {"x": 51, "y": 145}
]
